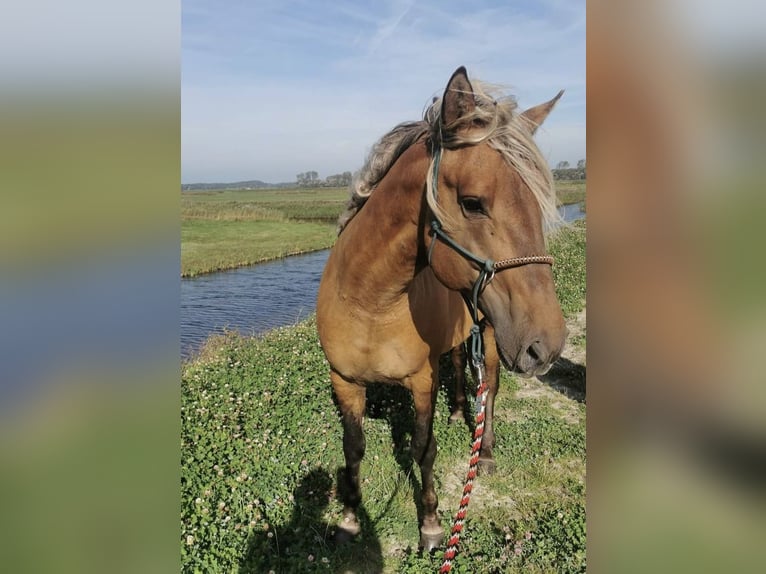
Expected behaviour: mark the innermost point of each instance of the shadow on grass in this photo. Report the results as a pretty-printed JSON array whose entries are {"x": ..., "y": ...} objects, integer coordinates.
[
  {"x": 306, "y": 544},
  {"x": 568, "y": 378},
  {"x": 565, "y": 377},
  {"x": 394, "y": 405}
]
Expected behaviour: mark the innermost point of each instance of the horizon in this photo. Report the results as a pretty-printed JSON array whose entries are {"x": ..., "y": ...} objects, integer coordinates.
[
  {"x": 278, "y": 88},
  {"x": 572, "y": 165}
]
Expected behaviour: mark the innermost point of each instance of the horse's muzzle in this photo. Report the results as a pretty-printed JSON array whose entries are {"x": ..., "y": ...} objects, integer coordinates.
[{"x": 537, "y": 356}]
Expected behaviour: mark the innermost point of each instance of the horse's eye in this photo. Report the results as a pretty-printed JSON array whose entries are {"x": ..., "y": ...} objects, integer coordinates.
[{"x": 471, "y": 204}]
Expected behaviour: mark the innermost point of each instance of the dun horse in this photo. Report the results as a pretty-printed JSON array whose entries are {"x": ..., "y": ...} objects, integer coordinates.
[{"x": 434, "y": 200}]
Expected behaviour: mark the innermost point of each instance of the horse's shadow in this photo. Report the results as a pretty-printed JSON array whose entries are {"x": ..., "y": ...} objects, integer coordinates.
[
  {"x": 306, "y": 542},
  {"x": 394, "y": 404},
  {"x": 568, "y": 378}
]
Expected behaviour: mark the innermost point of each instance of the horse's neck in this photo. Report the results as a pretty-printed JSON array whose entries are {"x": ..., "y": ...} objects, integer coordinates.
[{"x": 382, "y": 242}]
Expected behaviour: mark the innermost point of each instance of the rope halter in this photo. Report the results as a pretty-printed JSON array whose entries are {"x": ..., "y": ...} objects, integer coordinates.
[{"x": 487, "y": 267}]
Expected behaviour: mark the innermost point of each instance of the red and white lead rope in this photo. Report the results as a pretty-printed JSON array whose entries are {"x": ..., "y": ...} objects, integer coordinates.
[{"x": 478, "y": 434}]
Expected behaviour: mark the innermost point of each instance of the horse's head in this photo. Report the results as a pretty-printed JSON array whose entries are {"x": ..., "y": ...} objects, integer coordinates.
[{"x": 493, "y": 193}]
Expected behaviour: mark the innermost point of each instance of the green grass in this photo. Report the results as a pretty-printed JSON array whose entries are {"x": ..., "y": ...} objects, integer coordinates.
[
  {"x": 570, "y": 191},
  {"x": 302, "y": 195},
  {"x": 231, "y": 228},
  {"x": 261, "y": 447},
  {"x": 211, "y": 245},
  {"x": 568, "y": 248}
]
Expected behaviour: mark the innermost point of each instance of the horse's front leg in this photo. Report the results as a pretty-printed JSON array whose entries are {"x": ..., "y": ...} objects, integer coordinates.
[
  {"x": 458, "y": 356},
  {"x": 492, "y": 377},
  {"x": 424, "y": 386},
  {"x": 351, "y": 399}
]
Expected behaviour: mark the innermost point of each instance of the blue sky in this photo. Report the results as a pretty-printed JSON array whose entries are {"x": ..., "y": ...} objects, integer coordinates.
[{"x": 272, "y": 88}]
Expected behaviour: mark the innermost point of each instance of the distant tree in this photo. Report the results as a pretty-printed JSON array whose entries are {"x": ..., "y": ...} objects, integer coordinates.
[
  {"x": 581, "y": 164},
  {"x": 338, "y": 179},
  {"x": 307, "y": 179},
  {"x": 562, "y": 165}
]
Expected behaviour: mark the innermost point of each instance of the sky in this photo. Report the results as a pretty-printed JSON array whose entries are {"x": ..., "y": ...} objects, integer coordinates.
[{"x": 272, "y": 88}]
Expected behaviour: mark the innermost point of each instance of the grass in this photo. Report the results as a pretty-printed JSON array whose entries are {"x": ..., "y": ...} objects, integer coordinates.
[
  {"x": 261, "y": 448},
  {"x": 570, "y": 191},
  {"x": 211, "y": 245},
  {"x": 568, "y": 249},
  {"x": 231, "y": 228}
]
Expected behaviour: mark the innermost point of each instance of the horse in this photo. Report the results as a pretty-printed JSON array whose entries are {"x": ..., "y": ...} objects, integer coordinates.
[{"x": 397, "y": 289}]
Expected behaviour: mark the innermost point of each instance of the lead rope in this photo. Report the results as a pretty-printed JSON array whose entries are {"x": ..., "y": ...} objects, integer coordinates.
[
  {"x": 482, "y": 390},
  {"x": 478, "y": 434}
]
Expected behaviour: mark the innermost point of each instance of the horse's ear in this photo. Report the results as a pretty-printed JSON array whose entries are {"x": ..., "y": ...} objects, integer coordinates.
[
  {"x": 536, "y": 116},
  {"x": 458, "y": 97}
]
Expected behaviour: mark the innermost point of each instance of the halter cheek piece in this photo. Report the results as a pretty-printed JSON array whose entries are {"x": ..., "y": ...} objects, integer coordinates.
[{"x": 487, "y": 269}]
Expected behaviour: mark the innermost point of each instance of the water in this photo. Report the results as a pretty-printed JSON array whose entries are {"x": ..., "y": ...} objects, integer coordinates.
[
  {"x": 572, "y": 212},
  {"x": 254, "y": 299},
  {"x": 250, "y": 300}
]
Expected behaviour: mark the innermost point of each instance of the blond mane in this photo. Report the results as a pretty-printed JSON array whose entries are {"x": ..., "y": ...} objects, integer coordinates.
[{"x": 502, "y": 128}]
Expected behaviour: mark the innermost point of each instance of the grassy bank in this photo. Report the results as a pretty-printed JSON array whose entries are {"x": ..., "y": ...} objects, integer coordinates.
[
  {"x": 231, "y": 228},
  {"x": 261, "y": 447},
  {"x": 223, "y": 229},
  {"x": 212, "y": 245},
  {"x": 570, "y": 191}
]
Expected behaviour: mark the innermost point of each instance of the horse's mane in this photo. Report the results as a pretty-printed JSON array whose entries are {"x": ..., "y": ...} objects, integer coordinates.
[
  {"x": 503, "y": 128},
  {"x": 380, "y": 159}
]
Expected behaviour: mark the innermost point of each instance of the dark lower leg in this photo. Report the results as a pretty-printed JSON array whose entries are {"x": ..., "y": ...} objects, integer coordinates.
[
  {"x": 353, "y": 450},
  {"x": 351, "y": 401},
  {"x": 424, "y": 453},
  {"x": 492, "y": 374},
  {"x": 458, "y": 356}
]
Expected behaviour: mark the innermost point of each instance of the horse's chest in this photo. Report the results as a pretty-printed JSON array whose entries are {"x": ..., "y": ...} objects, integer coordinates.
[
  {"x": 382, "y": 352},
  {"x": 367, "y": 342}
]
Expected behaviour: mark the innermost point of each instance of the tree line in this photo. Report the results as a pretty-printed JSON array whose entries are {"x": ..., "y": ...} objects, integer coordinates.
[
  {"x": 564, "y": 171},
  {"x": 311, "y": 179}
]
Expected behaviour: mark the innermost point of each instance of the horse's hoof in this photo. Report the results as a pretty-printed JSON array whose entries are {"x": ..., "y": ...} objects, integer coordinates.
[
  {"x": 430, "y": 540},
  {"x": 487, "y": 466},
  {"x": 347, "y": 530}
]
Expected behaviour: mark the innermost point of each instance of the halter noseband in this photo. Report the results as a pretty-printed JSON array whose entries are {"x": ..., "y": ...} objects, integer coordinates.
[{"x": 487, "y": 268}]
